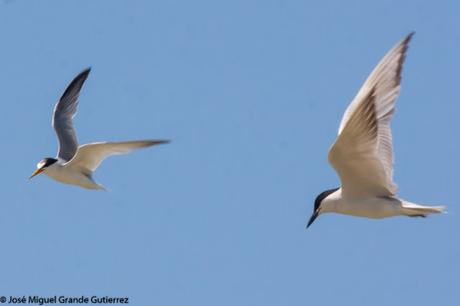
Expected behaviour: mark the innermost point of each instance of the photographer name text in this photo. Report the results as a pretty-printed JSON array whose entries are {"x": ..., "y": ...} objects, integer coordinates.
[{"x": 62, "y": 299}]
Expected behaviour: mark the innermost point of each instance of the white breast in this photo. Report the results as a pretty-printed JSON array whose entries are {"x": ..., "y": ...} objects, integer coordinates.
[
  {"x": 369, "y": 207},
  {"x": 69, "y": 176}
]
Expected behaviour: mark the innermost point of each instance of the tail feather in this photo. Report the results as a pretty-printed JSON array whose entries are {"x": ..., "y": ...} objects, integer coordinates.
[{"x": 415, "y": 210}]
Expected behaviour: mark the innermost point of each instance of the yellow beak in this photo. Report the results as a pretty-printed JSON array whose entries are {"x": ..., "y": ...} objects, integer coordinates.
[{"x": 37, "y": 172}]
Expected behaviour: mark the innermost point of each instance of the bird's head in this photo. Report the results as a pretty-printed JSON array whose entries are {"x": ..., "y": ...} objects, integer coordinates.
[
  {"x": 317, "y": 210},
  {"x": 43, "y": 165}
]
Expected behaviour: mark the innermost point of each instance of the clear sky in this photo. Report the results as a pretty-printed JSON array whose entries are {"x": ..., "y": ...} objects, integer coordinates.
[{"x": 251, "y": 94}]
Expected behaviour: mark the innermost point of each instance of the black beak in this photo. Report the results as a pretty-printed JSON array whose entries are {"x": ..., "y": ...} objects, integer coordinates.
[{"x": 313, "y": 217}]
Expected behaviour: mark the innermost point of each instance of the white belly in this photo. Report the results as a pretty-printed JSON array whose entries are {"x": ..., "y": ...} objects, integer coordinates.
[
  {"x": 69, "y": 176},
  {"x": 376, "y": 207}
]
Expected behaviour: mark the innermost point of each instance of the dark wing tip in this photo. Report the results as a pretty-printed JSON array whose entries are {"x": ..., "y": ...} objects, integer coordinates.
[
  {"x": 406, "y": 41},
  {"x": 82, "y": 75},
  {"x": 85, "y": 71},
  {"x": 148, "y": 143},
  {"x": 409, "y": 37},
  {"x": 405, "y": 45},
  {"x": 161, "y": 141},
  {"x": 77, "y": 82}
]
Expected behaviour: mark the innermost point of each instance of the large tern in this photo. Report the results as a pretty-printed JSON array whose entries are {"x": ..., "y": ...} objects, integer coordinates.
[
  {"x": 362, "y": 154},
  {"x": 75, "y": 164}
]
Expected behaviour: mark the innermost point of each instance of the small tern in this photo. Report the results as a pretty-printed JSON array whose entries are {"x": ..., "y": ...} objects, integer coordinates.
[
  {"x": 75, "y": 164},
  {"x": 362, "y": 154}
]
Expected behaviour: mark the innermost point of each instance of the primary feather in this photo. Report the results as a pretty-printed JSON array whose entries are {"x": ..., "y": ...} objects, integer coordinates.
[
  {"x": 363, "y": 152},
  {"x": 90, "y": 156},
  {"x": 64, "y": 111}
]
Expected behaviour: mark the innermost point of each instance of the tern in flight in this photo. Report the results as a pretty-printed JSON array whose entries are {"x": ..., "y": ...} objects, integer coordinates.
[
  {"x": 362, "y": 154},
  {"x": 75, "y": 164}
]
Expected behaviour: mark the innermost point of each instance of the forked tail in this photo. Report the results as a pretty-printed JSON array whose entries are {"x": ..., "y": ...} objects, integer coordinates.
[{"x": 415, "y": 210}]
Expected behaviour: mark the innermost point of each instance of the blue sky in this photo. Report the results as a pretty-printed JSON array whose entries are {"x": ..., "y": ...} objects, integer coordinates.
[{"x": 251, "y": 94}]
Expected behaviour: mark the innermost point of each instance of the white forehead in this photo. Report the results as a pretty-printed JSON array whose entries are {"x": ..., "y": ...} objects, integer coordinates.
[{"x": 41, "y": 164}]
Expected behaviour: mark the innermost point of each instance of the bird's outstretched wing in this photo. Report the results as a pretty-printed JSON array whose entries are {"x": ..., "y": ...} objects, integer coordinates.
[
  {"x": 90, "y": 156},
  {"x": 64, "y": 111},
  {"x": 362, "y": 154}
]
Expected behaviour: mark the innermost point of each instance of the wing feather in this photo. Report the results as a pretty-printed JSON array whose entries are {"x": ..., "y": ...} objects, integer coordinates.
[
  {"x": 63, "y": 113},
  {"x": 90, "y": 156},
  {"x": 362, "y": 154}
]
